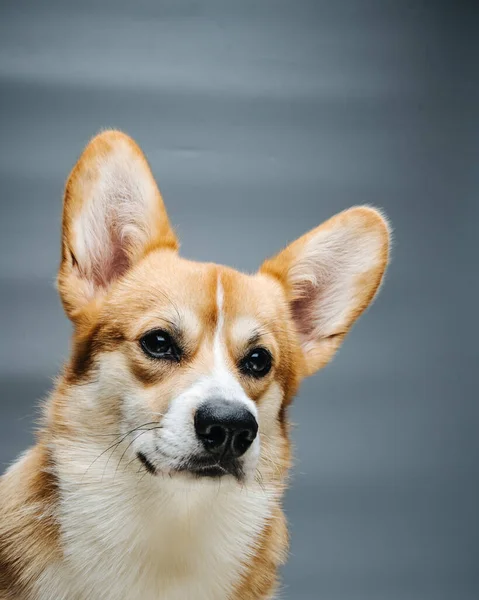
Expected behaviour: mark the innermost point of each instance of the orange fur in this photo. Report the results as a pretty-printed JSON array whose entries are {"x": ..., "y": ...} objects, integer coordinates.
[{"x": 29, "y": 536}]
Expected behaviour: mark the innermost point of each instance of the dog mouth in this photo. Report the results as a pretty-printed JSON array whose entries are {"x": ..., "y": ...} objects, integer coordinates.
[
  {"x": 200, "y": 467},
  {"x": 205, "y": 467},
  {"x": 150, "y": 467}
]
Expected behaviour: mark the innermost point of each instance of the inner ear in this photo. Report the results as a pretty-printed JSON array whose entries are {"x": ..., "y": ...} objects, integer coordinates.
[
  {"x": 118, "y": 261},
  {"x": 112, "y": 260},
  {"x": 303, "y": 312}
]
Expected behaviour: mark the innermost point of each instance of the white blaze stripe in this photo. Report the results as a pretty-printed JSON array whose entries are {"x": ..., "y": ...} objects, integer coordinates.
[
  {"x": 220, "y": 296},
  {"x": 178, "y": 437},
  {"x": 225, "y": 380}
]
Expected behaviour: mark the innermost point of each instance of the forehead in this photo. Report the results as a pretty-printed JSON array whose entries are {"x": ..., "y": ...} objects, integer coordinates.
[{"x": 166, "y": 286}]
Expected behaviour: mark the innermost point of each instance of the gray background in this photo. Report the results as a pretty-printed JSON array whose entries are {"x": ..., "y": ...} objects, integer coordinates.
[{"x": 261, "y": 119}]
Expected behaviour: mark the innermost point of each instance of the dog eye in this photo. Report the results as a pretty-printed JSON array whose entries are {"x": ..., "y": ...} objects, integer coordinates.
[
  {"x": 159, "y": 344},
  {"x": 257, "y": 363}
]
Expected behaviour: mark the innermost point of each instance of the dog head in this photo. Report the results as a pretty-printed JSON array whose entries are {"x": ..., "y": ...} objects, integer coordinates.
[{"x": 195, "y": 364}]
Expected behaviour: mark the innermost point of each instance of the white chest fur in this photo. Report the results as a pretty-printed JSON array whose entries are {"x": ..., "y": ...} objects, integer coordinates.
[{"x": 129, "y": 536}]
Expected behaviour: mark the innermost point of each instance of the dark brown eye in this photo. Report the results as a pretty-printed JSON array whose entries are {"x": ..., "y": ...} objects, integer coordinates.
[
  {"x": 257, "y": 363},
  {"x": 159, "y": 344}
]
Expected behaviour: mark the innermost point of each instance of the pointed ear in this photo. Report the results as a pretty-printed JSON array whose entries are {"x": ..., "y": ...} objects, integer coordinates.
[
  {"x": 113, "y": 215},
  {"x": 330, "y": 276}
]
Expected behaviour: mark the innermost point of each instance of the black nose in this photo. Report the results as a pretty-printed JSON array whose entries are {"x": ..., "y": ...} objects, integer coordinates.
[{"x": 225, "y": 428}]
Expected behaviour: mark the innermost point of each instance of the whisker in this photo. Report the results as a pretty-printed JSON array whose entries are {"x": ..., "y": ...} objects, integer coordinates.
[
  {"x": 259, "y": 480},
  {"x": 126, "y": 450},
  {"x": 116, "y": 444}
]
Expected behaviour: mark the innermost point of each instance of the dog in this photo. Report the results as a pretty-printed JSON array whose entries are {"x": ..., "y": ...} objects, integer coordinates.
[{"x": 163, "y": 453}]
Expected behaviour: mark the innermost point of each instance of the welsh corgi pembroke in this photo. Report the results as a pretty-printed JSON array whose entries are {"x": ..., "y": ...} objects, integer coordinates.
[{"x": 162, "y": 458}]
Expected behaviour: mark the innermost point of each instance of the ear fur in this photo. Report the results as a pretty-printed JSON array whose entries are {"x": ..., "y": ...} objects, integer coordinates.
[
  {"x": 113, "y": 215},
  {"x": 330, "y": 276}
]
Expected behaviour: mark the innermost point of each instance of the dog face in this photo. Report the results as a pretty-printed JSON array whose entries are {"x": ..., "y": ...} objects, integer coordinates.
[{"x": 195, "y": 364}]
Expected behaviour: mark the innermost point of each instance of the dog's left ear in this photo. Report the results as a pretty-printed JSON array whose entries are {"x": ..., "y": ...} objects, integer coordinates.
[
  {"x": 330, "y": 275},
  {"x": 113, "y": 215}
]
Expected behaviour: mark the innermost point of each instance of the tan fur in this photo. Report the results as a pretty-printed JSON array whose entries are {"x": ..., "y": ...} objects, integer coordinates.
[
  {"x": 29, "y": 536},
  {"x": 260, "y": 580},
  {"x": 120, "y": 277}
]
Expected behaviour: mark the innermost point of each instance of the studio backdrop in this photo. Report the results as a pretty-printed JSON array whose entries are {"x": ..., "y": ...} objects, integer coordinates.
[{"x": 261, "y": 119}]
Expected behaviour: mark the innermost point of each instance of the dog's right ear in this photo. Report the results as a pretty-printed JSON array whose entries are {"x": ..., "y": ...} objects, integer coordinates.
[{"x": 113, "y": 215}]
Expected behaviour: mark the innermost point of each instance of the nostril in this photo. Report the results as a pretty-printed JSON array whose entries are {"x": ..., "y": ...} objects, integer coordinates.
[
  {"x": 242, "y": 440},
  {"x": 215, "y": 436}
]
